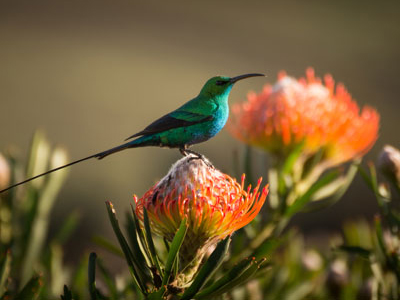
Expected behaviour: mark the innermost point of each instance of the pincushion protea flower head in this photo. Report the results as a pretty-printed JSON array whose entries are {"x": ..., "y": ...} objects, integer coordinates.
[
  {"x": 214, "y": 204},
  {"x": 306, "y": 111}
]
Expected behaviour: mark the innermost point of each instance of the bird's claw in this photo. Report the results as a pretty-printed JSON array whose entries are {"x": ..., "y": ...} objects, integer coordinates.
[{"x": 186, "y": 152}]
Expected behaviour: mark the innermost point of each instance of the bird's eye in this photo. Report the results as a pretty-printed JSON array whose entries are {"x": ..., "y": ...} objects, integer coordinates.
[{"x": 221, "y": 82}]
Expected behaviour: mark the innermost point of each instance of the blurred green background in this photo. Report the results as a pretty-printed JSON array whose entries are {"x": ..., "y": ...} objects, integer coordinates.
[{"x": 91, "y": 73}]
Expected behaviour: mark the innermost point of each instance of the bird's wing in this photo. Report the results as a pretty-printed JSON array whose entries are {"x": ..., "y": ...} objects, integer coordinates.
[{"x": 172, "y": 120}]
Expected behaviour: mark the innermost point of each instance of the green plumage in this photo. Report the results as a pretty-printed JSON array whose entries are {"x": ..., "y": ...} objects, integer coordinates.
[{"x": 194, "y": 122}]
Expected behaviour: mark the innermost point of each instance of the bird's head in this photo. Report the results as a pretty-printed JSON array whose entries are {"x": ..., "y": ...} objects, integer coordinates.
[{"x": 222, "y": 85}]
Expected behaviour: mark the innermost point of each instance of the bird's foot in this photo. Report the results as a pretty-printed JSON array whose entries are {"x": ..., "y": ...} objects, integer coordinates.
[{"x": 186, "y": 152}]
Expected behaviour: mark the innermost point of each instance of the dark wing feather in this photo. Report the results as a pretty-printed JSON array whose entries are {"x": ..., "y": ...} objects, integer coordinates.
[{"x": 168, "y": 122}]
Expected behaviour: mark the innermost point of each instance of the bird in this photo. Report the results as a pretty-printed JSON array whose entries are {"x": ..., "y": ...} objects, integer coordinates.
[{"x": 196, "y": 121}]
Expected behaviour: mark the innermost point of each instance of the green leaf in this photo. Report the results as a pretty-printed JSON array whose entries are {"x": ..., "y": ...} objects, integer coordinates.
[
  {"x": 292, "y": 158},
  {"x": 313, "y": 161},
  {"x": 67, "y": 295},
  {"x": 300, "y": 202},
  {"x": 139, "y": 277},
  {"x": 40, "y": 222},
  {"x": 79, "y": 278},
  {"x": 300, "y": 290},
  {"x": 32, "y": 289},
  {"x": 287, "y": 171},
  {"x": 5, "y": 269},
  {"x": 57, "y": 275},
  {"x": 141, "y": 234},
  {"x": 268, "y": 246},
  {"x": 366, "y": 178},
  {"x": 379, "y": 235},
  {"x": 334, "y": 191},
  {"x": 149, "y": 240},
  {"x": 237, "y": 275},
  {"x": 38, "y": 158},
  {"x": 372, "y": 182},
  {"x": 240, "y": 280},
  {"x": 274, "y": 197},
  {"x": 390, "y": 256},
  {"x": 140, "y": 257},
  {"x": 236, "y": 271},
  {"x": 365, "y": 253},
  {"x": 208, "y": 269},
  {"x": 174, "y": 249},
  {"x": 92, "y": 276}
]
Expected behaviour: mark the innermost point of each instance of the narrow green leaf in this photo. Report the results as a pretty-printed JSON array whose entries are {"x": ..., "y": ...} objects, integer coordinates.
[
  {"x": 208, "y": 269},
  {"x": 31, "y": 290},
  {"x": 286, "y": 170},
  {"x": 158, "y": 295},
  {"x": 274, "y": 197},
  {"x": 366, "y": 178},
  {"x": 5, "y": 269},
  {"x": 67, "y": 295},
  {"x": 92, "y": 276},
  {"x": 141, "y": 235},
  {"x": 233, "y": 273},
  {"x": 138, "y": 276},
  {"x": 312, "y": 162},
  {"x": 374, "y": 177},
  {"x": 365, "y": 253},
  {"x": 38, "y": 158},
  {"x": 150, "y": 243},
  {"x": 300, "y": 290},
  {"x": 40, "y": 222},
  {"x": 140, "y": 256},
  {"x": 166, "y": 244},
  {"x": 292, "y": 158},
  {"x": 306, "y": 197},
  {"x": 382, "y": 244},
  {"x": 372, "y": 182},
  {"x": 267, "y": 247},
  {"x": 79, "y": 278},
  {"x": 242, "y": 279},
  {"x": 57, "y": 275},
  {"x": 342, "y": 184},
  {"x": 173, "y": 251}
]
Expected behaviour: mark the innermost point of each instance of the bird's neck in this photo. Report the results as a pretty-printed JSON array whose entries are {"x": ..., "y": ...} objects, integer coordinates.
[{"x": 221, "y": 98}]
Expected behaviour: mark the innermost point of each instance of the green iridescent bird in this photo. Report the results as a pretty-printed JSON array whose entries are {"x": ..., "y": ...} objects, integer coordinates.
[{"x": 194, "y": 122}]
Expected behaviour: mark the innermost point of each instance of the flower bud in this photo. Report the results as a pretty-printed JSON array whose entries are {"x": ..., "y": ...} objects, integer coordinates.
[
  {"x": 389, "y": 162},
  {"x": 4, "y": 172}
]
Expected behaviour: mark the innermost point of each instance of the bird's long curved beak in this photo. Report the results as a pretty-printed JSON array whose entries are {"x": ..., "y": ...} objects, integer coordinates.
[{"x": 240, "y": 77}]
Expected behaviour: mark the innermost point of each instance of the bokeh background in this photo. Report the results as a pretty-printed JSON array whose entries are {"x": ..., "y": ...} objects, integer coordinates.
[{"x": 91, "y": 73}]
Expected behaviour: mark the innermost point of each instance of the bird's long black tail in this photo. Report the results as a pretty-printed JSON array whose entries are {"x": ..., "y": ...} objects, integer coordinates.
[{"x": 99, "y": 155}]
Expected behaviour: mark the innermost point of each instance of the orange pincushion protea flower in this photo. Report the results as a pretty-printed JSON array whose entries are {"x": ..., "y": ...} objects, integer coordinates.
[
  {"x": 214, "y": 204},
  {"x": 306, "y": 110}
]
